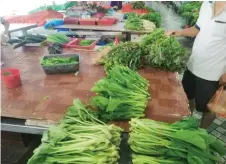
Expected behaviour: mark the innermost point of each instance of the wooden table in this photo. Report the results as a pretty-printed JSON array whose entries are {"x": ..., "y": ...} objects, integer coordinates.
[
  {"x": 43, "y": 99},
  {"x": 119, "y": 27}
]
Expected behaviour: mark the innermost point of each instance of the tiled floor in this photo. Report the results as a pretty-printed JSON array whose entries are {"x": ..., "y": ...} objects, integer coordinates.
[{"x": 217, "y": 128}]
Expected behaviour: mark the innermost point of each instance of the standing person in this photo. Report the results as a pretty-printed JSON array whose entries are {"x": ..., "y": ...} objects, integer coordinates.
[
  {"x": 206, "y": 68},
  {"x": 5, "y": 33}
]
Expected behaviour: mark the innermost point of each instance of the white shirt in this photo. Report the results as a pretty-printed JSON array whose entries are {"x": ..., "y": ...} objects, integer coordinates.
[{"x": 208, "y": 59}]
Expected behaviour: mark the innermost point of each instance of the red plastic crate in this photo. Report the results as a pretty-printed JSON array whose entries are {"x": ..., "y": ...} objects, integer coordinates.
[
  {"x": 128, "y": 8},
  {"x": 87, "y": 21},
  {"x": 74, "y": 43},
  {"x": 106, "y": 21},
  {"x": 71, "y": 20}
]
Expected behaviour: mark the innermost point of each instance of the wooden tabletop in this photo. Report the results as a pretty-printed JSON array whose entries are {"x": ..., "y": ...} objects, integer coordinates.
[
  {"x": 46, "y": 97},
  {"x": 21, "y": 26},
  {"x": 119, "y": 27}
]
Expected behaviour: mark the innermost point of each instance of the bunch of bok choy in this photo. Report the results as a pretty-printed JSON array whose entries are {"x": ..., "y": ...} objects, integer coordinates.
[
  {"x": 80, "y": 138},
  {"x": 180, "y": 142},
  {"x": 122, "y": 95}
]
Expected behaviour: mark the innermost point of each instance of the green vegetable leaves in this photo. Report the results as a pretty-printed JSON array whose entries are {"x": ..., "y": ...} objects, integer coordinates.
[
  {"x": 163, "y": 52},
  {"x": 80, "y": 138},
  {"x": 122, "y": 95},
  {"x": 58, "y": 60},
  {"x": 127, "y": 54},
  {"x": 134, "y": 23},
  {"x": 57, "y": 38},
  {"x": 85, "y": 42},
  {"x": 168, "y": 143}
]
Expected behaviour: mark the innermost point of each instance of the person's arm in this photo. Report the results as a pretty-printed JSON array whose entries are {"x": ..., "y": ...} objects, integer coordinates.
[
  {"x": 223, "y": 80},
  {"x": 191, "y": 32},
  {"x": 194, "y": 30}
]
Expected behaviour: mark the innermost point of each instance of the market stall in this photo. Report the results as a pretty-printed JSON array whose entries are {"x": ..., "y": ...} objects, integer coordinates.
[{"x": 103, "y": 100}]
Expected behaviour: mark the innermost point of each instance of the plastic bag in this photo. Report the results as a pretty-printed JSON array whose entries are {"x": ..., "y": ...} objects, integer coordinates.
[{"x": 218, "y": 103}]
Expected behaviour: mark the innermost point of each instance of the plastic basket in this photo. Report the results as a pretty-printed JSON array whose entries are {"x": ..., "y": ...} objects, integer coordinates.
[
  {"x": 106, "y": 22},
  {"x": 90, "y": 22},
  {"x": 61, "y": 68},
  {"x": 74, "y": 43},
  {"x": 70, "y": 20},
  {"x": 11, "y": 77}
]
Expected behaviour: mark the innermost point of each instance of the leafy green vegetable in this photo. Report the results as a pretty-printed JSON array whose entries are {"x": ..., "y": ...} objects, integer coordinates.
[
  {"x": 80, "y": 138},
  {"x": 58, "y": 60},
  {"x": 123, "y": 94},
  {"x": 138, "y": 5},
  {"x": 154, "y": 17},
  {"x": 181, "y": 141},
  {"x": 85, "y": 42},
  {"x": 57, "y": 38},
  {"x": 134, "y": 22},
  {"x": 127, "y": 54},
  {"x": 163, "y": 52},
  {"x": 190, "y": 11}
]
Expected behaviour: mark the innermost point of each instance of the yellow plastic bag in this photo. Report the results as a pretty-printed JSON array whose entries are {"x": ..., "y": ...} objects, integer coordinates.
[{"x": 218, "y": 103}]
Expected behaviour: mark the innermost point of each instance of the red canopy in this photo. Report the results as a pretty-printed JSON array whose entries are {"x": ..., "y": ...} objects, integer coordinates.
[{"x": 38, "y": 18}]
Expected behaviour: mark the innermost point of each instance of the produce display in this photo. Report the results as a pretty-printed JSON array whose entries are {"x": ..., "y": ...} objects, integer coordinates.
[
  {"x": 163, "y": 52},
  {"x": 58, "y": 60},
  {"x": 127, "y": 54},
  {"x": 134, "y": 21},
  {"x": 122, "y": 95},
  {"x": 85, "y": 42},
  {"x": 80, "y": 138},
  {"x": 23, "y": 40},
  {"x": 138, "y": 5},
  {"x": 57, "y": 38},
  {"x": 190, "y": 11},
  {"x": 156, "y": 142}
]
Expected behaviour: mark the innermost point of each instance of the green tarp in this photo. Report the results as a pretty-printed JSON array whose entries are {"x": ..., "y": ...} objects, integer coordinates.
[{"x": 64, "y": 6}]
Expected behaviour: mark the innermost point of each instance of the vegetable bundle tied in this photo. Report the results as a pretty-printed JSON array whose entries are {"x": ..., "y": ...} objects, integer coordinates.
[
  {"x": 123, "y": 94},
  {"x": 57, "y": 38},
  {"x": 126, "y": 54},
  {"x": 163, "y": 52},
  {"x": 80, "y": 138},
  {"x": 182, "y": 142}
]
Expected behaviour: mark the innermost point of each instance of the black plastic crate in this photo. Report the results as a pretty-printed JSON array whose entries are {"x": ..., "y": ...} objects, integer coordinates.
[{"x": 61, "y": 68}]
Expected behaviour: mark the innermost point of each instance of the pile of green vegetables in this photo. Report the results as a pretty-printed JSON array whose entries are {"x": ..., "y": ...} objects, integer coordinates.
[
  {"x": 133, "y": 22},
  {"x": 155, "y": 50},
  {"x": 80, "y": 138},
  {"x": 23, "y": 40},
  {"x": 138, "y": 5},
  {"x": 85, "y": 42},
  {"x": 58, "y": 60},
  {"x": 163, "y": 52},
  {"x": 181, "y": 142},
  {"x": 127, "y": 54},
  {"x": 154, "y": 17},
  {"x": 190, "y": 11},
  {"x": 57, "y": 38},
  {"x": 122, "y": 95}
]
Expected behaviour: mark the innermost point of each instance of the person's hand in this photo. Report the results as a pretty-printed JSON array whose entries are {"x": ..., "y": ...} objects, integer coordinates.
[
  {"x": 223, "y": 80},
  {"x": 173, "y": 33}
]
